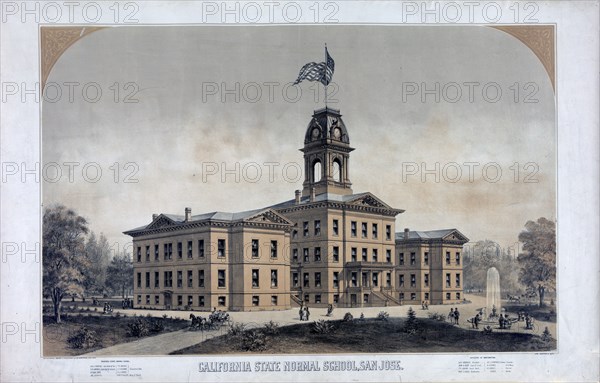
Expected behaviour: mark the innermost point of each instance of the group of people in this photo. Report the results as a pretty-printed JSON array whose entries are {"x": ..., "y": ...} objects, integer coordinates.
[
  {"x": 107, "y": 308},
  {"x": 304, "y": 313},
  {"x": 425, "y": 305},
  {"x": 454, "y": 315},
  {"x": 127, "y": 303},
  {"x": 504, "y": 322}
]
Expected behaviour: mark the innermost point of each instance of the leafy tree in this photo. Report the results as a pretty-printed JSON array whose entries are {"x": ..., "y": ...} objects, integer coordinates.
[
  {"x": 98, "y": 253},
  {"x": 63, "y": 254},
  {"x": 538, "y": 259},
  {"x": 120, "y": 273}
]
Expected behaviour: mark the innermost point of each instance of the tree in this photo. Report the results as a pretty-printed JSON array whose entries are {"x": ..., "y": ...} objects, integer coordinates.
[
  {"x": 98, "y": 253},
  {"x": 538, "y": 259},
  {"x": 120, "y": 273},
  {"x": 63, "y": 254}
]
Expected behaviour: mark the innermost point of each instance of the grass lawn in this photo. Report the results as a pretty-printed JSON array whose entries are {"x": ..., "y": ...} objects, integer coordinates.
[
  {"x": 110, "y": 330},
  {"x": 376, "y": 336}
]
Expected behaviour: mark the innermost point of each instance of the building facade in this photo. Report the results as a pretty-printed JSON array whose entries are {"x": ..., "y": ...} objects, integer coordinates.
[{"x": 325, "y": 246}]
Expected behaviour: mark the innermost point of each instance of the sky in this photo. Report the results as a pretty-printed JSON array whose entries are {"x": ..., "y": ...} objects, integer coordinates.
[{"x": 172, "y": 145}]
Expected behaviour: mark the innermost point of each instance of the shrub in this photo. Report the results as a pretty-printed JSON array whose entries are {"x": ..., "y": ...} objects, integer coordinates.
[
  {"x": 411, "y": 325},
  {"x": 322, "y": 327},
  {"x": 138, "y": 328},
  {"x": 83, "y": 338},
  {"x": 383, "y": 315},
  {"x": 362, "y": 316},
  {"x": 348, "y": 317},
  {"x": 546, "y": 336},
  {"x": 437, "y": 316},
  {"x": 165, "y": 316},
  {"x": 253, "y": 340},
  {"x": 271, "y": 328},
  {"x": 487, "y": 330},
  {"x": 236, "y": 329},
  {"x": 156, "y": 325}
]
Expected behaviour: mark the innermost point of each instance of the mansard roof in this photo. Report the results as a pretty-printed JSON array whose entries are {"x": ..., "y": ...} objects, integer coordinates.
[
  {"x": 358, "y": 201},
  {"x": 451, "y": 235},
  {"x": 325, "y": 121},
  {"x": 170, "y": 222}
]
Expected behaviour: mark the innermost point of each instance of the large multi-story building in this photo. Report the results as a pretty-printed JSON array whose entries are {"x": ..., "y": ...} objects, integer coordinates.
[{"x": 325, "y": 246}]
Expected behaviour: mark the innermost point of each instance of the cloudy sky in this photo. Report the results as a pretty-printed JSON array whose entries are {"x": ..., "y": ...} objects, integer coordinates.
[{"x": 180, "y": 125}]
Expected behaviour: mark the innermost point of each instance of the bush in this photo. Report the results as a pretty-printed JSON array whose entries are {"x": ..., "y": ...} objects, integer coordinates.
[
  {"x": 156, "y": 325},
  {"x": 411, "y": 325},
  {"x": 165, "y": 316},
  {"x": 437, "y": 316},
  {"x": 546, "y": 336},
  {"x": 383, "y": 315},
  {"x": 322, "y": 327},
  {"x": 271, "y": 328},
  {"x": 362, "y": 316},
  {"x": 236, "y": 329},
  {"x": 348, "y": 317},
  {"x": 138, "y": 328},
  {"x": 83, "y": 338},
  {"x": 253, "y": 340}
]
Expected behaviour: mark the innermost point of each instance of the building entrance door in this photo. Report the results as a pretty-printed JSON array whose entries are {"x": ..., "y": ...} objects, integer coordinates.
[
  {"x": 352, "y": 300},
  {"x": 168, "y": 299}
]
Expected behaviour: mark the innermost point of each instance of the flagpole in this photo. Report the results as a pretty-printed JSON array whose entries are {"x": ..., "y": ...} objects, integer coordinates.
[{"x": 325, "y": 75}]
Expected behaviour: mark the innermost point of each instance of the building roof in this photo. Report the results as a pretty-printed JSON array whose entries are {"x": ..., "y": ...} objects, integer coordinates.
[{"x": 432, "y": 235}]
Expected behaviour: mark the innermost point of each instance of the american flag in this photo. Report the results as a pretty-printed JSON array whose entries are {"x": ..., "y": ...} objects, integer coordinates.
[{"x": 322, "y": 72}]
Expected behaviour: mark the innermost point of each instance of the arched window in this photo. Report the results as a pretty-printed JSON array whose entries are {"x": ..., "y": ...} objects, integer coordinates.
[
  {"x": 337, "y": 170},
  {"x": 317, "y": 171}
]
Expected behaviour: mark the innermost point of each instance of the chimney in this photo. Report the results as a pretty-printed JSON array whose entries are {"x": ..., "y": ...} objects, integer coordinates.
[
  {"x": 406, "y": 230},
  {"x": 313, "y": 192},
  {"x": 297, "y": 197},
  {"x": 188, "y": 214},
  {"x": 154, "y": 216}
]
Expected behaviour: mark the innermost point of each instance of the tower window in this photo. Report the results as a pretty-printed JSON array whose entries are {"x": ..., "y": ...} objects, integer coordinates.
[
  {"x": 337, "y": 171},
  {"x": 317, "y": 171}
]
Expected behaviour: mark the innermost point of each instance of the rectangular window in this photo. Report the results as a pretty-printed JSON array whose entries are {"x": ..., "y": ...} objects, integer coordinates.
[
  {"x": 375, "y": 233},
  {"x": 273, "y": 278},
  {"x": 273, "y": 249},
  {"x": 273, "y": 300},
  {"x": 147, "y": 253},
  {"x": 190, "y": 278},
  {"x": 139, "y": 254},
  {"x": 336, "y": 298},
  {"x": 353, "y": 228},
  {"x": 179, "y": 278},
  {"x": 179, "y": 300},
  {"x": 306, "y": 298},
  {"x": 147, "y": 279},
  {"x": 401, "y": 296},
  {"x": 317, "y": 227},
  {"x": 447, "y": 257},
  {"x": 374, "y": 254},
  {"x": 388, "y": 279},
  {"x": 201, "y": 301},
  {"x": 168, "y": 251},
  {"x": 388, "y": 232},
  {"x": 401, "y": 259},
  {"x": 365, "y": 298},
  {"x": 156, "y": 252},
  {"x": 156, "y": 299},
  {"x": 457, "y": 280},
  {"x": 426, "y": 258},
  {"x": 426, "y": 296},
  {"x": 365, "y": 280},
  {"x": 413, "y": 259},
  {"x": 364, "y": 255},
  {"x": 255, "y": 300},
  {"x": 221, "y": 278},
  {"x": 375, "y": 278},
  {"x": 221, "y": 301},
  {"x": 457, "y": 296},
  {"x": 139, "y": 280},
  {"x": 413, "y": 296},
  {"x": 139, "y": 299},
  {"x": 255, "y": 248},
  {"x": 457, "y": 259},
  {"x": 190, "y": 300},
  {"x": 364, "y": 229},
  {"x": 335, "y": 227},
  {"x": 305, "y": 255},
  {"x": 305, "y": 280},
  {"x": 156, "y": 279},
  {"x": 413, "y": 280},
  {"x": 201, "y": 248},
  {"x": 317, "y": 298},
  {"x": 448, "y": 280},
  {"x": 336, "y": 279},
  {"x": 200, "y": 278},
  {"x": 401, "y": 280},
  {"x": 336, "y": 254},
  {"x": 448, "y": 296},
  {"x": 221, "y": 248},
  {"x": 294, "y": 255},
  {"x": 317, "y": 279},
  {"x": 354, "y": 279},
  {"x": 305, "y": 228},
  {"x": 353, "y": 252},
  {"x": 168, "y": 278},
  {"x": 294, "y": 279},
  {"x": 179, "y": 250},
  {"x": 294, "y": 234},
  {"x": 426, "y": 280},
  {"x": 189, "y": 250},
  {"x": 388, "y": 255},
  {"x": 317, "y": 254},
  {"x": 255, "y": 276}
]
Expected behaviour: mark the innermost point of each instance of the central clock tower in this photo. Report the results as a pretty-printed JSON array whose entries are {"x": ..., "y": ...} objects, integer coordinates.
[{"x": 326, "y": 154}]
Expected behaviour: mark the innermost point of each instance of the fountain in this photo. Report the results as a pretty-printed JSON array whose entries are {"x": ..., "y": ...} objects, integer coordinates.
[{"x": 493, "y": 304}]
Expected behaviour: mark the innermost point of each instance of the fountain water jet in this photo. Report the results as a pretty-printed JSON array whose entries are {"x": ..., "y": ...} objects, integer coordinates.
[{"x": 493, "y": 292}]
